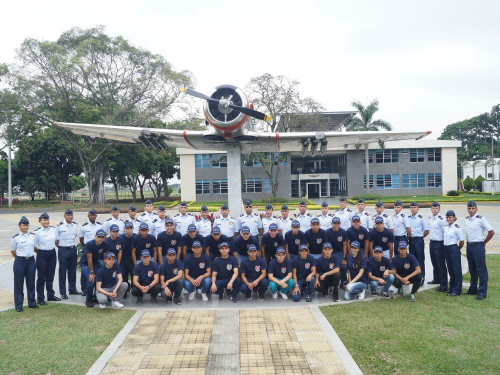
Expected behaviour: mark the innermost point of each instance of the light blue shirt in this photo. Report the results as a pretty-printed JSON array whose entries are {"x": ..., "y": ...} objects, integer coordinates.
[
  {"x": 475, "y": 227},
  {"x": 452, "y": 234},
  {"x": 112, "y": 220},
  {"x": 46, "y": 238},
  {"x": 87, "y": 231},
  {"x": 252, "y": 221},
  {"x": 67, "y": 233},
  {"x": 366, "y": 220},
  {"x": 387, "y": 221},
  {"x": 23, "y": 244},
  {"x": 325, "y": 221},
  {"x": 226, "y": 225},
  {"x": 148, "y": 219},
  {"x": 204, "y": 227},
  {"x": 418, "y": 225},
  {"x": 286, "y": 225},
  {"x": 305, "y": 221},
  {"x": 436, "y": 227},
  {"x": 345, "y": 217},
  {"x": 400, "y": 222},
  {"x": 268, "y": 221},
  {"x": 158, "y": 226},
  {"x": 182, "y": 222}
]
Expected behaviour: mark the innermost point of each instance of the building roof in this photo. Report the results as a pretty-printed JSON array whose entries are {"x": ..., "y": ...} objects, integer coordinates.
[{"x": 321, "y": 121}]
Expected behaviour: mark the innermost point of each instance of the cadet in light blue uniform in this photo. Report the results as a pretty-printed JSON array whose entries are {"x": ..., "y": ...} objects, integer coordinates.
[
  {"x": 286, "y": 222},
  {"x": 22, "y": 247},
  {"x": 132, "y": 212},
  {"x": 204, "y": 224},
  {"x": 451, "y": 234},
  {"x": 437, "y": 223},
  {"x": 46, "y": 259},
  {"x": 250, "y": 220},
  {"x": 402, "y": 228},
  {"x": 67, "y": 231},
  {"x": 344, "y": 213},
  {"x": 419, "y": 230},
  {"x": 159, "y": 222},
  {"x": 115, "y": 219},
  {"x": 227, "y": 225},
  {"x": 475, "y": 226},
  {"x": 184, "y": 219},
  {"x": 148, "y": 215},
  {"x": 304, "y": 218},
  {"x": 270, "y": 219},
  {"x": 325, "y": 219},
  {"x": 87, "y": 233},
  {"x": 379, "y": 207},
  {"x": 366, "y": 218}
]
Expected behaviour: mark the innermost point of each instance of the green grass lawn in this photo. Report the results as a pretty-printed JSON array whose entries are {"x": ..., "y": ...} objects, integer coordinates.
[
  {"x": 56, "y": 339},
  {"x": 435, "y": 335}
]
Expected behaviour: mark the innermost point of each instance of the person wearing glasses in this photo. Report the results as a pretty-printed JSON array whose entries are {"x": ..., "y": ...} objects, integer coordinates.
[{"x": 250, "y": 220}]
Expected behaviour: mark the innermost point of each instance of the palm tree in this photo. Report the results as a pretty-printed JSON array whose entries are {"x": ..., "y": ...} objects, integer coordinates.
[
  {"x": 30, "y": 186},
  {"x": 365, "y": 120},
  {"x": 48, "y": 184}
]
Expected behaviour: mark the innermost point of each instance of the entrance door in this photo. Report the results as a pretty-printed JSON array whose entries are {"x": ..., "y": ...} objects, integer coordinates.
[{"x": 313, "y": 190}]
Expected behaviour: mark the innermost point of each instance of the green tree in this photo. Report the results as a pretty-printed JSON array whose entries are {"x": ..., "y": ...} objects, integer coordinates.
[
  {"x": 87, "y": 76},
  {"x": 363, "y": 121},
  {"x": 75, "y": 183},
  {"x": 30, "y": 186},
  {"x": 478, "y": 182},
  {"x": 469, "y": 183},
  {"x": 47, "y": 184}
]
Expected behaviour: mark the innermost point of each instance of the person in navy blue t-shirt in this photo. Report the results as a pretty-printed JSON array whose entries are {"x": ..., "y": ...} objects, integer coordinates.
[
  {"x": 144, "y": 241},
  {"x": 253, "y": 274},
  {"x": 383, "y": 237},
  {"x": 304, "y": 272},
  {"x": 225, "y": 273},
  {"x": 89, "y": 263},
  {"x": 127, "y": 264},
  {"x": 358, "y": 277},
  {"x": 328, "y": 272},
  {"x": 242, "y": 242},
  {"x": 168, "y": 239},
  {"x": 359, "y": 234},
  {"x": 293, "y": 239},
  {"x": 270, "y": 242},
  {"x": 171, "y": 272},
  {"x": 115, "y": 242},
  {"x": 380, "y": 272},
  {"x": 279, "y": 273},
  {"x": 146, "y": 278},
  {"x": 339, "y": 239},
  {"x": 188, "y": 239},
  {"x": 109, "y": 282},
  {"x": 197, "y": 271},
  {"x": 213, "y": 241},
  {"x": 407, "y": 271},
  {"x": 315, "y": 238}
]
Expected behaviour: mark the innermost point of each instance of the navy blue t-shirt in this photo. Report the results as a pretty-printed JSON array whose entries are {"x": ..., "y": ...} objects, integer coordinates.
[
  {"x": 360, "y": 235},
  {"x": 96, "y": 251},
  {"x": 108, "y": 276},
  {"x": 169, "y": 271},
  {"x": 115, "y": 245},
  {"x": 127, "y": 247},
  {"x": 188, "y": 242},
  {"x": 324, "y": 265},
  {"x": 253, "y": 268},
  {"x": 405, "y": 266},
  {"x": 303, "y": 267},
  {"x": 241, "y": 246},
  {"x": 146, "y": 273},
  {"x": 354, "y": 270},
  {"x": 271, "y": 244},
  {"x": 167, "y": 241},
  {"x": 315, "y": 240},
  {"x": 140, "y": 244},
  {"x": 279, "y": 270},
  {"x": 337, "y": 239},
  {"x": 381, "y": 238},
  {"x": 213, "y": 244},
  {"x": 197, "y": 266},
  {"x": 225, "y": 267},
  {"x": 377, "y": 269},
  {"x": 294, "y": 241}
]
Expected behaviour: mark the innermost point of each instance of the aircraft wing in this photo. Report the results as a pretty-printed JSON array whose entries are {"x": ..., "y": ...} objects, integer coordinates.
[{"x": 249, "y": 141}]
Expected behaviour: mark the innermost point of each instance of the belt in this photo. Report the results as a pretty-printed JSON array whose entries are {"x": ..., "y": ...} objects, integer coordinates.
[
  {"x": 437, "y": 240},
  {"x": 18, "y": 256},
  {"x": 46, "y": 249},
  {"x": 415, "y": 237},
  {"x": 470, "y": 243}
]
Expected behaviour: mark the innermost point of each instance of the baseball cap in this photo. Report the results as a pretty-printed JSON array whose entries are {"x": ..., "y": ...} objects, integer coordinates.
[
  {"x": 252, "y": 247},
  {"x": 216, "y": 230},
  {"x": 336, "y": 219},
  {"x": 356, "y": 217},
  {"x": 145, "y": 253},
  {"x": 196, "y": 244},
  {"x": 280, "y": 250},
  {"x": 273, "y": 226},
  {"x": 303, "y": 247},
  {"x": 378, "y": 248},
  {"x": 379, "y": 219},
  {"x": 314, "y": 220},
  {"x": 355, "y": 244},
  {"x": 100, "y": 233},
  {"x": 222, "y": 244},
  {"x": 327, "y": 244},
  {"x": 113, "y": 227},
  {"x": 109, "y": 255},
  {"x": 128, "y": 224},
  {"x": 295, "y": 223},
  {"x": 191, "y": 228},
  {"x": 144, "y": 226},
  {"x": 245, "y": 229},
  {"x": 171, "y": 251},
  {"x": 402, "y": 245}
]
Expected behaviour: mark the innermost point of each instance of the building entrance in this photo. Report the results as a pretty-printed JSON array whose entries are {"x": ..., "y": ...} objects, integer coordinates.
[{"x": 313, "y": 190}]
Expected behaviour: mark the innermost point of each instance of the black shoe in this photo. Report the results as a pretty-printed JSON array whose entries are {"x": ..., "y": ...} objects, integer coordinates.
[
  {"x": 154, "y": 301},
  {"x": 221, "y": 296},
  {"x": 478, "y": 298},
  {"x": 139, "y": 300},
  {"x": 55, "y": 299},
  {"x": 74, "y": 293},
  {"x": 335, "y": 298},
  {"x": 470, "y": 293},
  {"x": 89, "y": 303},
  {"x": 83, "y": 293},
  {"x": 42, "y": 303},
  {"x": 34, "y": 307},
  {"x": 109, "y": 299},
  {"x": 19, "y": 310},
  {"x": 169, "y": 299},
  {"x": 308, "y": 298},
  {"x": 442, "y": 290},
  {"x": 64, "y": 296},
  {"x": 447, "y": 291},
  {"x": 261, "y": 297},
  {"x": 432, "y": 282},
  {"x": 177, "y": 301},
  {"x": 325, "y": 294},
  {"x": 95, "y": 301},
  {"x": 422, "y": 282},
  {"x": 452, "y": 294},
  {"x": 234, "y": 300}
]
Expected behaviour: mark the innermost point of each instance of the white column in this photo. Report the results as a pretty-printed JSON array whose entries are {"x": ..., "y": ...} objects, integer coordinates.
[
  {"x": 234, "y": 180},
  {"x": 10, "y": 177}
]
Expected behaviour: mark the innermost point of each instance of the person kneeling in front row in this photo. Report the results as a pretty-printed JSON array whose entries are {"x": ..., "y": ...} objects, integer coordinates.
[
  {"x": 109, "y": 282},
  {"x": 407, "y": 271},
  {"x": 380, "y": 272},
  {"x": 358, "y": 279},
  {"x": 197, "y": 270},
  {"x": 253, "y": 274},
  {"x": 304, "y": 271},
  {"x": 225, "y": 274},
  {"x": 328, "y": 272},
  {"x": 146, "y": 278},
  {"x": 171, "y": 272},
  {"x": 280, "y": 274}
]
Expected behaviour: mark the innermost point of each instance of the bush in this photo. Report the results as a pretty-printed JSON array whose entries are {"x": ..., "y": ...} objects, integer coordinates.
[
  {"x": 275, "y": 200},
  {"x": 453, "y": 193},
  {"x": 368, "y": 197},
  {"x": 469, "y": 183},
  {"x": 478, "y": 182}
]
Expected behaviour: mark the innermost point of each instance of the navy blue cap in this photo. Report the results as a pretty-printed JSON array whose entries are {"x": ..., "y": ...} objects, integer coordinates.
[
  {"x": 355, "y": 244},
  {"x": 171, "y": 251},
  {"x": 68, "y": 211},
  {"x": 252, "y": 247},
  {"x": 248, "y": 202},
  {"x": 342, "y": 199},
  {"x": 303, "y": 247},
  {"x": 196, "y": 244},
  {"x": 302, "y": 203},
  {"x": 45, "y": 215},
  {"x": 355, "y": 217},
  {"x": 148, "y": 202},
  {"x": 435, "y": 204},
  {"x": 191, "y": 228},
  {"x": 115, "y": 208},
  {"x": 398, "y": 203},
  {"x": 100, "y": 233},
  {"x": 450, "y": 213},
  {"x": 379, "y": 219},
  {"x": 113, "y": 227},
  {"x": 379, "y": 204},
  {"x": 161, "y": 207},
  {"x": 314, "y": 220},
  {"x": 327, "y": 244},
  {"x": 216, "y": 230},
  {"x": 24, "y": 220},
  {"x": 269, "y": 206},
  {"x": 92, "y": 211},
  {"x": 245, "y": 229},
  {"x": 471, "y": 203},
  {"x": 222, "y": 244},
  {"x": 183, "y": 203},
  {"x": 128, "y": 224},
  {"x": 144, "y": 226},
  {"x": 145, "y": 253},
  {"x": 132, "y": 208},
  {"x": 280, "y": 250},
  {"x": 204, "y": 208},
  {"x": 361, "y": 200},
  {"x": 378, "y": 248},
  {"x": 224, "y": 207},
  {"x": 402, "y": 245},
  {"x": 284, "y": 207},
  {"x": 273, "y": 226},
  {"x": 336, "y": 219},
  {"x": 169, "y": 220},
  {"x": 110, "y": 255},
  {"x": 413, "y": 204},
  {"x": 295, "y": 223},
  {"x": 324, "y": 204}
]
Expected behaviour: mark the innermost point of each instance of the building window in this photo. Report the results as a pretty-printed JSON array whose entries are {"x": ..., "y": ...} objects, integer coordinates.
[
  {"x": 404, "y": 151},
  {"x": 253, "y": 185},
  {"x": 219, "y": 161},
  {"x": 387, "y": 181},
  {"x": 295, "y": 188},
  {"x": 202, "y": 186},
  {"x": 343, "y": 183},
  {"x": 267, "y": 185},
  {"x": 219, "y": 186},
  {"x": 490, "y": 175},
  {"x": 201, "y": 161},
  {"x": 386, "y": 156},
  {"x": 417, "y": 155},
  {"x": 370, "y": 156},
  {"x": 276, "y": 155},
  {"x": 433, "y": 154},
  {"x": 342, "y": 159},
  {"x": 334, "y": 187},
  {"x": 371, "y": 181},
  {"x": 411, "y": 181},
  {"x": 434, "y": 180}
]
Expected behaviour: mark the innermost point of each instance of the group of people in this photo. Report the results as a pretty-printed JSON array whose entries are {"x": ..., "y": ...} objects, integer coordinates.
[{"x": 154, "y": 254}]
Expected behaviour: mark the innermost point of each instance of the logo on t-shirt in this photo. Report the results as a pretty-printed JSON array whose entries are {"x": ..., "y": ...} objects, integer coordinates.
[
  {"x": 150, "y": 273},
  {"x": 173, "y": 242},
  {"x": 202, "y": 265},
  {"x": 175, "y": 271},
  {"x": 384, "y": 239},
  {"x": 118, "y": 247},
  {"x": 148, "y": 245},
  {"x": 331, "y": 265},
  {"x": 297, "y": 241},
  {"x": 307, "y": 265},
  {"x": 100, "y": 251},
  {"x": 275, "y": 244},
  {"x": 229, "y": 267},
  {"x": 257, "y": 268},
  {"x": 231, "y": 223},
  {"x": 382, "y": 268},
  {"x": 354, "y": 266},
  {"x": 340, "y": 238},
  {"x": 283, "y": 269},
  {"x": 361, "y": 236},
  {"x": 407, "y": 265},
  {"x": 319, "y": 240},
  {"x": 114, "y": 274}
]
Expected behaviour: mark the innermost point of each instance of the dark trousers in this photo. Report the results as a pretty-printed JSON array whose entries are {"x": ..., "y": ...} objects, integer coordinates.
[
  {"x": 415, "y": 280},
  {"x": 127, "y": 267},
  {"x": 327, "y": 282},
  {"x": 174, "y": 287},
  {"x": 438, "y": 259},
  {"x": 222, "y": 283},
  {"x": 454, "y": 263},
  {"x": 270, "y": 257},
  {"x": 24, "y": 269},
  {"x": 261, "y": 288},
  {"x": 416, "y": 248},
  {"x": 83, "y": 282},
  {"x": 154, "y": 291},
  {"x": 343, "y": 267},
  {"x": 398, "y": 239},
  {"x": 307, "y": 285},
  {"x": 67, "y": 257},
  {"x": 476, "y": 257},
  {"x": 89, "y": 286},
  {"x": 46, "y": 261}
]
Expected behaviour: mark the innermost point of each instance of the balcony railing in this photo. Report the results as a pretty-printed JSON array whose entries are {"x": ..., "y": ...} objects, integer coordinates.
[{"x": 314, "y": 170}]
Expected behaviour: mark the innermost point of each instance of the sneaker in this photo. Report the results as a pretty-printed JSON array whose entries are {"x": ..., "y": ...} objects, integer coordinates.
[
  {"x": 308, "y": 298},
  {"x": 198, "y": 291},
  {"x": 169, "y": 299},
  {"x": 139, "y": 300},
  {"x": 342, "y": 285},
  {"x": 362, "y": 295},
  {"x": 386, "y": 295},
  {"x": 204, "y": 297},
  {"x": 221, "y": 296},
  {"x": 325, "y": 294},
  {"x": 249, "y": 297},
  {"x": 184, "y": 291},
  {"x": 89, "y": 303},
  {"x": 412, "y": 298},
  {"x": 154, "y": 301},
  {"x": 117, "y": 304},
  {"x": 275, "y": 295},
  {"x": 400, "y": 291},
  {"x": 177, "y": 301},
  {"x": 374, "y": 293},
  {"x": 261, "y": 297},
  {"x": 392, "y": 289},
  {"x": 191, "y": 296},
  {"x": 283, "y": 295},
  {"x": 102, "y": 306},
  {"x": 233, "y": 300},
  {"x": 335, "y": 298},
  {"x": 125, "y": 296}
]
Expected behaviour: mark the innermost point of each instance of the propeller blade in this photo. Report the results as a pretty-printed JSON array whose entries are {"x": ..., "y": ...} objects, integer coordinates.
[{"x": 197, "y": 94}]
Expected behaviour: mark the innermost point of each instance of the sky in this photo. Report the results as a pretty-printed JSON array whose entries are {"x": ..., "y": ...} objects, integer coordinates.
[{"x": 429, "y": 63}]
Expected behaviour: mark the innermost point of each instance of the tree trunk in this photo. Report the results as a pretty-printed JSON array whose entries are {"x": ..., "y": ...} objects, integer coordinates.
[
  {"x": 165, "y": 187},
  {"x": 96, "y": 176},
  {"x": 141, "y": 187},
  {"x": 116, "y": 191}
]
